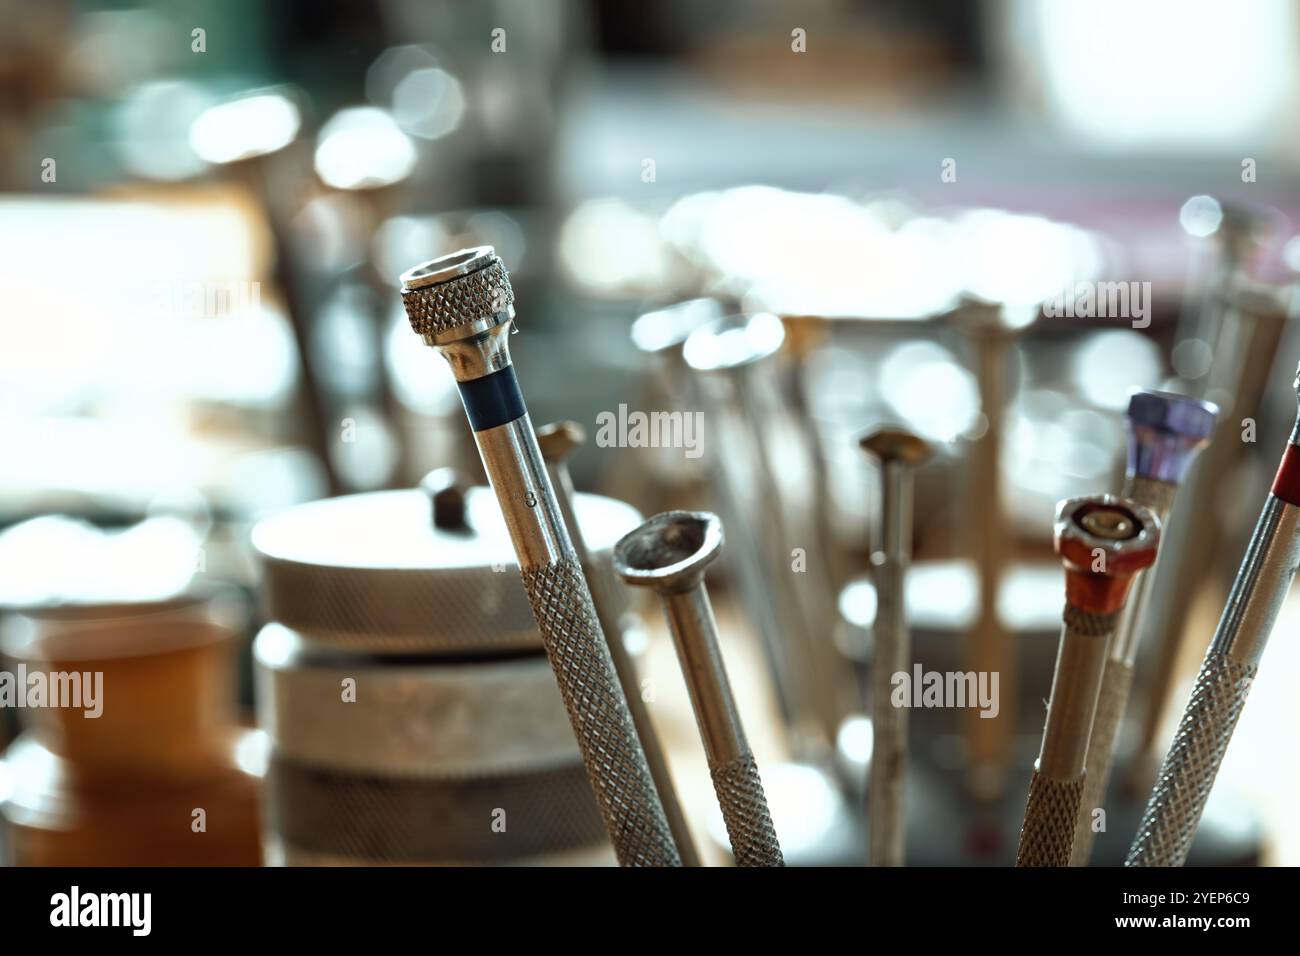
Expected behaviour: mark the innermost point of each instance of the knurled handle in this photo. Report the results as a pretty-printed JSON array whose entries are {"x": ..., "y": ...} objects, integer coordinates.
[
  {"x": 599, "y": 713},
  {"x": 745, "y": 812},
  {"x": 1050, "y": 816},
  {"x": 1116, "y": 681},
  {"x": 1187, "y": 775}
]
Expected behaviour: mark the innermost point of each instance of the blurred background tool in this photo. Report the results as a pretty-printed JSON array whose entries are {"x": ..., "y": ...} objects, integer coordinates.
[
  {"x": 898, "y": 453},
  {"x": 462, "y": 304},
  {"x": 735, "y": 365},
  {"x": 1187, "y": 775},
  {"x": 736, "y": 360},
  {"x": 558, "y": 441},
  {"x": 990, "y": 330},
  {"x": 669, "y": 553},
  {"x": 1103, "y": 541},
  {"x": 662, "y": 335},
  {"x": 250, "y": 136},
  {"x": 1253, "y": 323},
  {"x": 411, "y": 712},
  {"x": 1164, "y": 434}
]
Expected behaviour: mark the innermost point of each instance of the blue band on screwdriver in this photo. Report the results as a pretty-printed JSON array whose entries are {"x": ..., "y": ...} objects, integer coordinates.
[{"x": 492, "y": 400}]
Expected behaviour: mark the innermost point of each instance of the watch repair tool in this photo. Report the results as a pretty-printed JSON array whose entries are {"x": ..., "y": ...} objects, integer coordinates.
[
  {"x": 1165, "y": 432},
  {"x": 898, "y": 453},
  {"x": 990, "y": 331},
  {"x": 1250, "y": 331},
  {"x": 250, "y": 139},
  {"x": 405, "y": 691},
  {"x": 462, "y": 304},
  {"x": 1103, "y": 541},
  {"x": 737, "y": 360},
  {"x": 669, "y": 554},
  {"x": 1187, "y": 775},
  {"x": 557, "y": 442}
]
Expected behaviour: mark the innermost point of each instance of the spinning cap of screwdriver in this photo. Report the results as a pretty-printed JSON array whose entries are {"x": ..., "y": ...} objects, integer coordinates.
[
  {"x": 1103, "y": 540},
  {"x": 1165, "y": 431},
  {"x": 458, "y": 295}
]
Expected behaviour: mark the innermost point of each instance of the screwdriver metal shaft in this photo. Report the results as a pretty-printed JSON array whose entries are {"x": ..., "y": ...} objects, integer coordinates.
[
  {"x": 1165, "y": 432},
  {"x": 669, "y": 554},
  {"x": 463, "y": 305},
  {"x": 898, "y": 453},
  {"x": 1103, "y": 541},
  {"x": 1187, "y": 775},
  {"x": 557, "y": 441}
]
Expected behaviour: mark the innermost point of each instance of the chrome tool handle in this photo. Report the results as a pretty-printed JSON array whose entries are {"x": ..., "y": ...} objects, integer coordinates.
[
  {"x": 561, "y": 602},
  {"x": 744, "y": 811},
  {"x": 669, "y": 553},
  {"x": 1103, "y": 542},
  {"x": 1050, "y": 812},
  {"x": 463, "y": 305},
  {"x": 1116, "y": 681},
  {"x": 1187, "y": 775}
]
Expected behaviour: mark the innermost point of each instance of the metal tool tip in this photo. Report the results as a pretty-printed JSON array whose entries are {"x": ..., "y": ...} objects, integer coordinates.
[
  {"x": 1179, "y": 414},
  {"x": 1106, "y": 534},
  {"x": 896, "y": 444},
  {"x": 559, "y": 440},
  {"x": 469, "y": 288},
  {"x": 670, "y": 551}
]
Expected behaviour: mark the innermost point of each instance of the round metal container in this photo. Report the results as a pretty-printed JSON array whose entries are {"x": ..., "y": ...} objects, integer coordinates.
[
  {"x": 413, "y": 715},
  {"x": 374, "y": 573}
]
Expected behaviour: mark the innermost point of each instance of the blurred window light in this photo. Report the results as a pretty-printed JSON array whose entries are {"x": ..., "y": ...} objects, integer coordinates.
[
  {"x": 1109, "y": 364},
  {"x": 419, "y": 385},
  {"x": 855, "y": 740},
  {"x": 607, "y": 245},
  {"x": 428, "y": 103},
  {"x": 152, "y": 129},
  {"x": 500, "y": 231},
  {"x": 670, "y": 327},
  {"x": 733, "y": 341},
  {"x": 1020, "y": 260},
  {"x": 53, "y": 560},
  {"x": 1200, "y": 216},
  {"x": 813, "y": 253},
  {"x": 944, "y": 595},
  {"x": 364, "y": 450},
  {"x": 245, "y": 127},
  {"x": 926, "y": 386},
  {"x": 1123, "y": 73},
  {"x": 363, "y": 148},
  {"x": 134, "y": 330},
  {"x": 401, "y": 240}
]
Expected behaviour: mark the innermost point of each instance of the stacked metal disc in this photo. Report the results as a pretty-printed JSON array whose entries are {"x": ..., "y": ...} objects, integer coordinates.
[{"x": 413, "y": 716}]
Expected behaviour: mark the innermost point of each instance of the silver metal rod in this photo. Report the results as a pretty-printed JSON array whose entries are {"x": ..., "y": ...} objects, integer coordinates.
[
  {"x": 1249, "y": 333},
  {"x": 557, "y": 442},
  {"x": 1164, "y": 434},
  {"x": 662, "y": 335},
  {"x": 989, "y": 648},
  {"x": 898, "y": 453},
  {"x": 1103, "y": 541},
  {"x": 736, "y": 359},
  {"x": 669, "y": 554},
  {"x": 1187, "y": 775},
  {"x": 463, "y": 305}
]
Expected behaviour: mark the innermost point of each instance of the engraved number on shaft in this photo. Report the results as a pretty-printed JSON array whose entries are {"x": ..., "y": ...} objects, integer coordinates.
[{"x": 530, "y": 499}]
